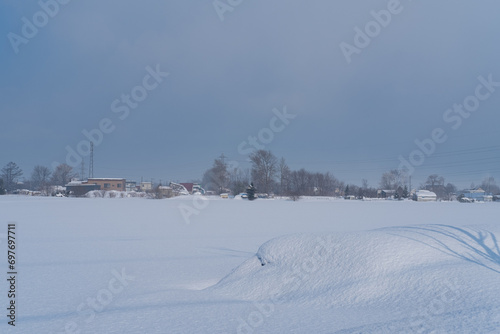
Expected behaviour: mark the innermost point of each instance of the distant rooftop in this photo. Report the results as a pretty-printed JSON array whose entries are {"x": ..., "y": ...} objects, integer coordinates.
[
  {"x": 107, "y": 178},
  {"x": 475, "y": 190},
  {"x": 74, "y": 183}
]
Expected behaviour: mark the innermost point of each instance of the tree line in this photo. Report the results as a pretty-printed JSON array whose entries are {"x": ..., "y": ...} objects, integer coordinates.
[
  {"x": 271, "y": 174},
  {"x": 41, "y": 178}
]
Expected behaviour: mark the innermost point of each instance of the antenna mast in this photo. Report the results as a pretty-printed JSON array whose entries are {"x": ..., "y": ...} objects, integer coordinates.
[{"x": 91, "y": 162}]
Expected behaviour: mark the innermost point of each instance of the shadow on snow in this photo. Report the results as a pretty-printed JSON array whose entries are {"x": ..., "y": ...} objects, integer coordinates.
[{"x": 473, "y": 245}]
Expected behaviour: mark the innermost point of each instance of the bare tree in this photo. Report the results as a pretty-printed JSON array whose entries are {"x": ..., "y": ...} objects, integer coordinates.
[
  {"x": 304, "y": 183},
  {"x": 490, "y": 186},
  {"x": 238, "y": 180},
  {"x": 450, "y": 190},
  {"x": 298, "y": 182},
  {"x": 433, "y": 181},
  {"x": 363, "y": 190},
  {"x": 264, "y": 168},
  {"x": 284, "y": 171},
  {"x": 319, "y": 184},
  {"x": 10, "y": 175},
  {"x": 217, "y": 177},
  {"x": 352, "y": 190},
  {"x": 62, "y": 175},
  {"x": 324, "y": 184},
  {"x": 436, "y": 184},
  {"x": 331, "y": 183},
  {"x": 40, "y": 178},
  {"x": 393, "y": 179}
]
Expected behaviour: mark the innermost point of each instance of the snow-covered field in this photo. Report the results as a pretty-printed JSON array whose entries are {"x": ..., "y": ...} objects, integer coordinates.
[{"x": 185, "y": 265}]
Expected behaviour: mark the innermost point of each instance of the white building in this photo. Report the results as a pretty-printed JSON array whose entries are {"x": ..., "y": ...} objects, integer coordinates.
[
  {"x": 130, "y": 186},
  {"x": 424, "y": 196},
  {"x": 478, "y": 194},
  {"x": 146, "y": 186}
]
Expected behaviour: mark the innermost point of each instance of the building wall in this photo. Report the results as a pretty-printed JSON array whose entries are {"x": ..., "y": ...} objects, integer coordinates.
[
  {"x": 478, "y": 195},
  {"x": 426, "y": 198},
  {"x": 130, "y": 186},
  {"x": 81, "y": 189},
  {"x": 109, "y": 184}
]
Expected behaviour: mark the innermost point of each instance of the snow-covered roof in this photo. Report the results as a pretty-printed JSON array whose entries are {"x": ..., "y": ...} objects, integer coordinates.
[
  {"x": 106, "y": 179},
  {"x": 426, "y": 193},
  {"x": 475, "y": 191},
  {"x": 74, "y": 183}
]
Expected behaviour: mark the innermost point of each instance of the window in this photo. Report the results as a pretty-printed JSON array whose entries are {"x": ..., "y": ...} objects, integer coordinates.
[
  {"x": 119, "y": 185},
  {"x": 106, "y": 185}
]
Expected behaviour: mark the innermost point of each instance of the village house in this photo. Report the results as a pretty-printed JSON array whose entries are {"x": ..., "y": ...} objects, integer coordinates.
[
  {"x": 107, "y": 183},
  {"x": 424, "y": 196}
]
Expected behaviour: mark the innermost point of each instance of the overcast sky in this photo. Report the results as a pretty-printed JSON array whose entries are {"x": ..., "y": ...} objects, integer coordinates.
[{"x": 356, "y": 111}]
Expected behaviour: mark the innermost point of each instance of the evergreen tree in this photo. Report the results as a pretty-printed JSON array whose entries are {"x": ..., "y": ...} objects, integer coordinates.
[
  {"x": 10, "y": 175},
  {"x": 217, "y": 177},
  {"x": 405, "y": 192},
  {"x": 251, "y": 192},
  {"x": 399, "y": 194}
]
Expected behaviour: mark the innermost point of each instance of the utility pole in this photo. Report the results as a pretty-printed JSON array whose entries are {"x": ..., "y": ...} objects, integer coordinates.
[
  {"x": 83, "y": 169},
  {"x": 91, "y": 162}
]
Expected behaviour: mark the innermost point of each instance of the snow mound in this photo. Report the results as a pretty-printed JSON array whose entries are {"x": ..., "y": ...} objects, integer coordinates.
[
  {"x": 392, "y": 266},
  {"x": 114, "y": 194}
]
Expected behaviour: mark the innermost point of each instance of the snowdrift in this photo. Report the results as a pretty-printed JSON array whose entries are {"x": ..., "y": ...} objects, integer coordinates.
[
  {"x": 391, "y": 268},
  {"x": 428, "y": 279},
  {"x": 114, "y": 194}
]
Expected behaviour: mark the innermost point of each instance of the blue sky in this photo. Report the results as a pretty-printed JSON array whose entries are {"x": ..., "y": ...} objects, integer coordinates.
[{"x": 225, "y": 77}]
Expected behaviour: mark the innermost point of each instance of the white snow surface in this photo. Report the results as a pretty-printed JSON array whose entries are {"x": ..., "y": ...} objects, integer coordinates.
[{"x": 195, "y": 265}]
